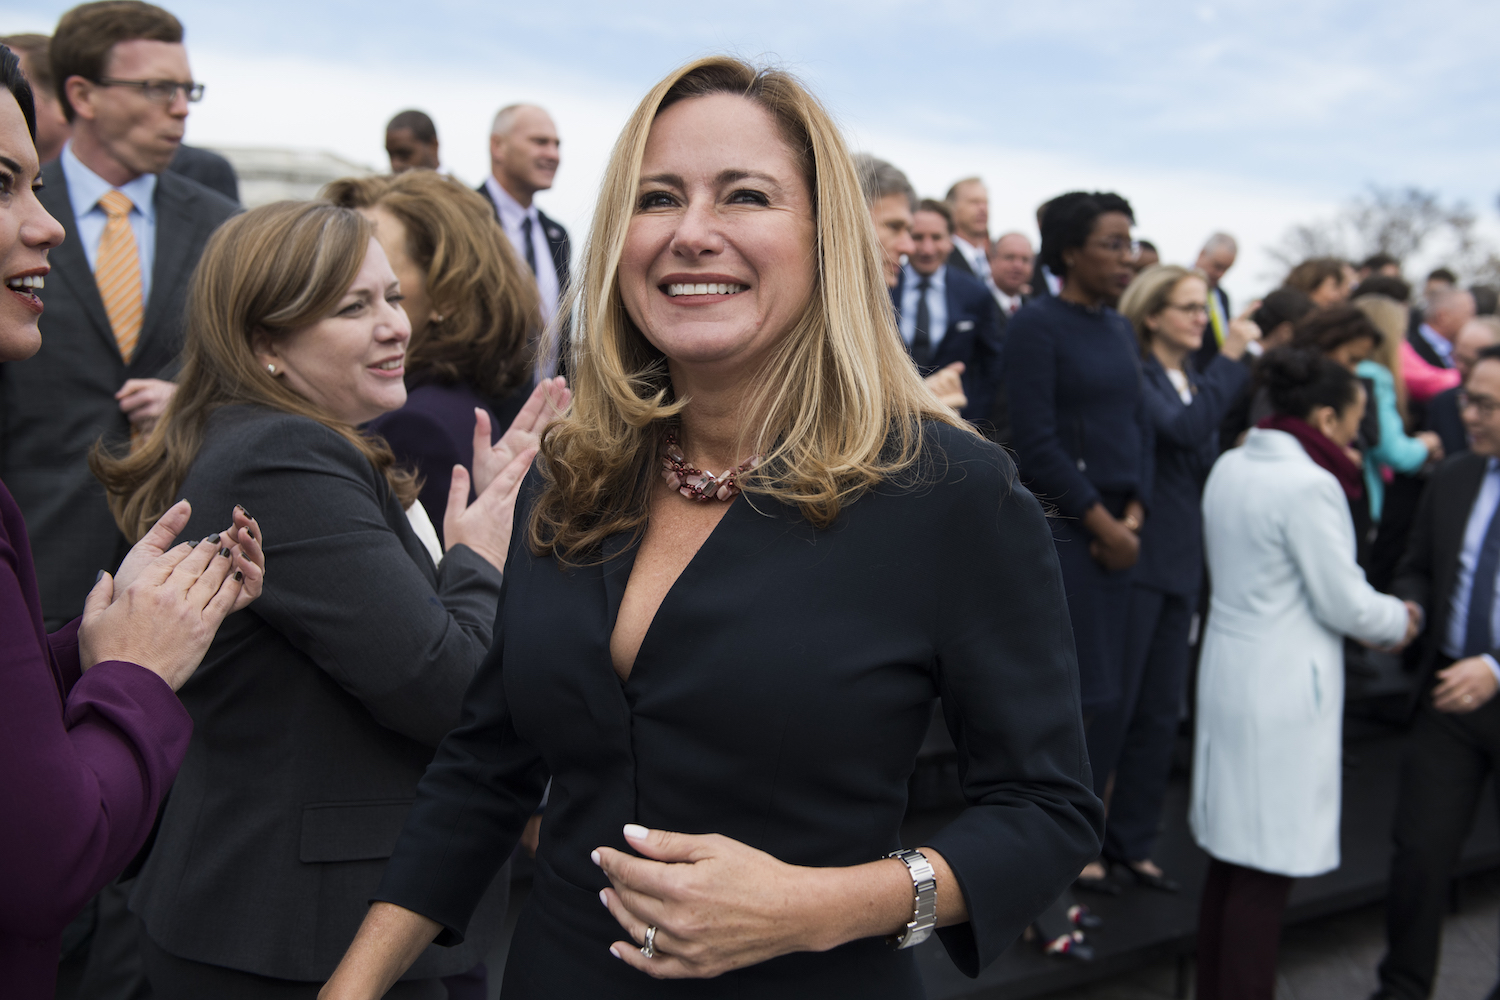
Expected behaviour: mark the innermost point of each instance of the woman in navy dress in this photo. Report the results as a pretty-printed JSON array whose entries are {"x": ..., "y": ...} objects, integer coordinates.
[
  {"x": 1082, "y": 431},
  {"x": 1168, "y": 306}
]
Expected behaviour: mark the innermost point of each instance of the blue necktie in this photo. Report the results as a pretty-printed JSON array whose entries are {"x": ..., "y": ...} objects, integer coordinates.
[
  {"x": 1477, "y": 637},
  {"x": 921, "y": 338},
  {"x": 530, "y": 248}
]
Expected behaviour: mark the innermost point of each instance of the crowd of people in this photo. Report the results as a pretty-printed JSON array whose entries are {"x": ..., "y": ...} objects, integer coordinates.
[{"x": 494, "y": 596}]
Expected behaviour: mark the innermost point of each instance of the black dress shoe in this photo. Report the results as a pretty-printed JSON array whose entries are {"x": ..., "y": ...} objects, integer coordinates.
[{"x": 1161, "y": 882}]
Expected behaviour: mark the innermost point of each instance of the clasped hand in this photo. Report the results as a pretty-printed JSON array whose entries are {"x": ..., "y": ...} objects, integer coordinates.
[{"x": 716, "y": 904}]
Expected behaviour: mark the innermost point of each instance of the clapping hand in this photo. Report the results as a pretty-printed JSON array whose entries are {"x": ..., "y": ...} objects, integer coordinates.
[
  {"x": 547, "y": 401},
  {"x": 1243, "y": 331},
  {"x": 947, "y": 385},
  {"x": 243, "y": 532}
]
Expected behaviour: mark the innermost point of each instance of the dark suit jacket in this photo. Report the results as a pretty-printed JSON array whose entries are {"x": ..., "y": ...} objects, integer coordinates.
[
  {"x": 88, "y": 757},
  {"x": 434, "y": 431},
  {"x": 1422, "y": 347},
  {"x": 957, "y": 261},
  {"x": 711, "y": 743},
  {"x": 557, "y": 240},
  {"x": 1210, "y": 348},
  {"x": 1187, "y": 443},
  {"x": 972, "y": 336},
  {"x": 1428, "y": 571},
  {"x": 1444, "y": 419},
  {"x": 55, "y": 405},
  {"x": 207, "y": 168},
  {"x": 316, "y": 709}
]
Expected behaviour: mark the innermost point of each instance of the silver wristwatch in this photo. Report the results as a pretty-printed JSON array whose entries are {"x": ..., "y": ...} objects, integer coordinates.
[{"x": 924, "y": 908}]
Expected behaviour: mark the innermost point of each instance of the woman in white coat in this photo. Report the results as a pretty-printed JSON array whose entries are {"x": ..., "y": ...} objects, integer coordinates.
[{"x": 1286, "y": 590}]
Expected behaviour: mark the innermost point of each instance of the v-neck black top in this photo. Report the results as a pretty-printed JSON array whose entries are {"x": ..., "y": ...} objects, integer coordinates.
[{"x": 779, "y": 698}]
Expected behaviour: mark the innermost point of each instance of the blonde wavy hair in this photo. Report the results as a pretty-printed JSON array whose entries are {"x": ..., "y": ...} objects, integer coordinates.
[
  {"x": 268, "y": 272},
  {"x": 1149, "y": 293},
  {"x": 477, "y": 285},
  {"x": 841, "y": 406}
]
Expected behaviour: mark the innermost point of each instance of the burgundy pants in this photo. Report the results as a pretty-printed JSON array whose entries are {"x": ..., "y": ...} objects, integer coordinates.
[{"x": 1239, "y": 929}]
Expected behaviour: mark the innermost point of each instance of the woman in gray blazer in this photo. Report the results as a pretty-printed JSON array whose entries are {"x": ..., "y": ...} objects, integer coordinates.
[{"x": 316, "y": 712}]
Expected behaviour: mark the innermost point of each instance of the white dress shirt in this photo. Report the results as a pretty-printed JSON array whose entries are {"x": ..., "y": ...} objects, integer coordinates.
[
  {"x": 937, "y": 305},
  {"x": 978, "y": 259},
  {"x": 1485, "y": 503},
  {"x": 512, "y": 215},
  {"x": 85, "y": 188},
  {"x": 1008, "y": 303}
]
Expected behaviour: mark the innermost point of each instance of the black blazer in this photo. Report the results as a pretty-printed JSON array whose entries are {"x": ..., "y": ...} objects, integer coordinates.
[
  {"x": 973, "y": 337},
  {"x": 55, "y": 405},
  {"x": 1422, "y": 347},
  {"x": 957, "y": 261},
  {"x": 315, "y": 711},
  {"x": 557, "y": 240},
  {"x": 779, "y": 698},
  {"x": 1428, "y": 570},
  {"x": 1187, "y": 443},
  {"x": 1444, "y": 419},
  {"x": 207, "y": 168},
  {"x": 1210, "y": 348}
]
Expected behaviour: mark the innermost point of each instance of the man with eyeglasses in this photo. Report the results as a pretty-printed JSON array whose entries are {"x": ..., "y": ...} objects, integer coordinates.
[
  {"x": 1452, "y": 570},
  {"x": 114, "y": 299}
]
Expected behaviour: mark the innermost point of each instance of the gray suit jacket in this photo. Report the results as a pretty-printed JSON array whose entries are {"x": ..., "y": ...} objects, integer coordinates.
[
  {"x": 316, "y": 710},
  {"x": 54, "y": 406},
  {"x": 207, "y": 168}
]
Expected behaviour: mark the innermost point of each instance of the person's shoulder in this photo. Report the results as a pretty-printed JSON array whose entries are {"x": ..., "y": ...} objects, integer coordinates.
[
  {"x": 246, "y": 434},
  {"x": 957, "y": 458},
  {"x": 197, "y": 200},
  {"x": 555, "y": 230},
  {"x": 1375, "y": 372},
  {"x": 965, "y": 283},
  {"x": 1464, "y": 466}
]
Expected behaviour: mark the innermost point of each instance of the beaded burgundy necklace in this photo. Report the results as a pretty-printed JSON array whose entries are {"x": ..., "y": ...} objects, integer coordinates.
[{"x": 695, "y": 484}]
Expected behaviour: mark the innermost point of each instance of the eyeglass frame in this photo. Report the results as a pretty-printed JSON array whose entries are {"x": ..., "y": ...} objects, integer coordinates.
[
  {"x": 192, "y": 91},
  {"x": 1486, "y": 406},
  {"x": 1189, "y": 308}
]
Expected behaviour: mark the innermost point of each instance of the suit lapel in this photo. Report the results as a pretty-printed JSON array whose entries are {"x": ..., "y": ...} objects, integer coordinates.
[
  {"x": 70, "y": 264},
  {"x": 172, "y": 267},
  {"x": 1453, "y": 521}
]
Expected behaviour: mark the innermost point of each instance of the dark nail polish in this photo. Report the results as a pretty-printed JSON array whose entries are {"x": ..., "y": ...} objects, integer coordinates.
[
  {"x": 99, "y": 577},
  {"x": 241, "y": 508},
  {"x": 212, "y": 539},
  {"x": 224, "y": 553},
  {"x": 238, "y": 576},
  {"x": 192, "y": 545}
]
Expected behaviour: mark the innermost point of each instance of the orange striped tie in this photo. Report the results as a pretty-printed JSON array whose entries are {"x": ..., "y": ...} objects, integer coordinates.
[{"x": 117, "y": 272}]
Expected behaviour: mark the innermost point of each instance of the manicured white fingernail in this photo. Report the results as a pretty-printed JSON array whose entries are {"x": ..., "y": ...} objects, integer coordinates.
[
  {"x": 614, "y": 951},
  {"x": 634, "y": 831},
  {"x": 603, "y": 899},
  {"x": 594, "y": 856}
]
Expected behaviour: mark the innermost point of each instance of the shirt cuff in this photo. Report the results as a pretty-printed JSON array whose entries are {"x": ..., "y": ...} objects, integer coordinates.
[{"x": 1494, "y": 666}]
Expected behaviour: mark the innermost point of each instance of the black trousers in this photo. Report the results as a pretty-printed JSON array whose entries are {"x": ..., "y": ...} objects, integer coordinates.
[
  {"x": 1449, "y": 761},
  {"x": 1239, "y": 931},
  {"x": 1134, "y": 738},
  {"x": 174, "y": 978}
]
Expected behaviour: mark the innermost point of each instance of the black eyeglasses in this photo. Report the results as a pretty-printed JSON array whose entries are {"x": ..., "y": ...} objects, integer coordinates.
[{"x": 160, "y": 91}]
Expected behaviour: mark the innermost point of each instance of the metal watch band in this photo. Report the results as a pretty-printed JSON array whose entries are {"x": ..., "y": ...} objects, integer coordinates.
[{"x": 924, "y": 908}]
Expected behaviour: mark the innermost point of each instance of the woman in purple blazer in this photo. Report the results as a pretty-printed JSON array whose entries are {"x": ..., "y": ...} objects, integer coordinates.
[{"x": 91, "y": 733}]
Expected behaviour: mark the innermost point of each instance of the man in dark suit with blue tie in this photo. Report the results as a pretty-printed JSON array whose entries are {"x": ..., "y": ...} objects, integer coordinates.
[
  {"x": 946, "y": 316},
  {"x": 1451, "y": 568}
]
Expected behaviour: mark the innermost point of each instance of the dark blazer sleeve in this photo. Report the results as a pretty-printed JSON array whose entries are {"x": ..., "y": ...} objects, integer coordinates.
[
  {"x": 1189, "y": 426},
  {"x": 1008, "y": 677},
  {"x": 83, "y": 777},
  {"x": 473, "y": 800},
  {"x": 345, "y": 590},
  {"x": 1030, "y": 382},
  {"x": 1413, "y": 580},
  {"x": 983, "y": 370}
]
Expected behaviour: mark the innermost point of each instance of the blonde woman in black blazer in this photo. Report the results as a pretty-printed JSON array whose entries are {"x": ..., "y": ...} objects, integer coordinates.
[{"x": 729, "y": 693}]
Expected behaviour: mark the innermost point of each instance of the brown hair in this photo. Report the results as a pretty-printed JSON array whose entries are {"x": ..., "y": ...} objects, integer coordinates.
[
  {"x": 937, "y": 208},
  {"x": 271, "y": 271},
  {"x": 1311, "y": 273},
  {"x": 1149, "y": 294},
  {"x": 38, "y": 62},
  {"x": 840, "y": 404},
  {"x": 475, "y": 282},
  {"x": 84, "y": 37}
]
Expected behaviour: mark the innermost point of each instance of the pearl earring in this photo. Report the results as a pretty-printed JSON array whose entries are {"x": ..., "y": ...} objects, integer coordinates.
[{"x": 271, "y": 369}]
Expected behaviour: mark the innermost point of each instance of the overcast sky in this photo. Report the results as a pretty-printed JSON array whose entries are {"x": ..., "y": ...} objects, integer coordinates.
[{"x": 1247, "y": 116}]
